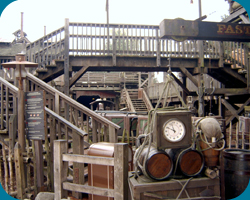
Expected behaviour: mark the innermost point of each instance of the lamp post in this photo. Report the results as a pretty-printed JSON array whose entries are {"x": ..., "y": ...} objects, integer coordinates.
[{"x": 20, "y": 73}]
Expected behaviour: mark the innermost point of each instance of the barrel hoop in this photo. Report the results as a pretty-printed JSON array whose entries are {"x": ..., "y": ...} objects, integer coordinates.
[
  {"x": 237, "y": 172},
  {"x": 246, "y": 158}
]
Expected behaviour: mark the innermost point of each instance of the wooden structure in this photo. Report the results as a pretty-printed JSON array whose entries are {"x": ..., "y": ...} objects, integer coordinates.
[
  {"x": 57, "y": 127},
  {"x": 197, "y": 188},
  {"x": 78, "y": 48},
  {"x": 119, "y": 161}
]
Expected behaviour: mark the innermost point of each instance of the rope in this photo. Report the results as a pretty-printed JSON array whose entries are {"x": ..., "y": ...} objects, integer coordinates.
[{"x": 151, "y": 124}]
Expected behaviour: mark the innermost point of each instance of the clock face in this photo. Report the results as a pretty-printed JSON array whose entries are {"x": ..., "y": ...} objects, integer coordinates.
[{"x": 174, "y": 130}]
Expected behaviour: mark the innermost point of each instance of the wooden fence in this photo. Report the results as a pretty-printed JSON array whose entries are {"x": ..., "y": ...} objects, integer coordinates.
[{"x": 119, "y": 161}]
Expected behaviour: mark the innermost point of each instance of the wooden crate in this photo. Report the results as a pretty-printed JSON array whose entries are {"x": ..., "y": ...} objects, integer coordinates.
[{"x": 143, "y": 189}]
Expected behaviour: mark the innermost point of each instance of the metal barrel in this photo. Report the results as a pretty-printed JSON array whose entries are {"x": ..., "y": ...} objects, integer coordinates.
[{"x": 235, "y": 171}]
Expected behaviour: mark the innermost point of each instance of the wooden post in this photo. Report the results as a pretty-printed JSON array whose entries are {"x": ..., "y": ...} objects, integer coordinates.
[
  {"x": 21, "y": 133},
  {"x": 34, "y": 167},
  {"x": 20, "y": 181},
  {"x": 112, "y": 135},
  {"x": 57, "y": 103},
  {"x": 6, "y": 170},
  {"x": 39, "y": 165},
  {"x": 114, "y": 48},
  {"x": 66, "y": 66},
  {"x": 12, "y": 131},
  {"x": 121, "y": 171},
  {"x": 60, "y": 168},
  {"x": 94, "y": 131},
  {"x": 78, "y": 168},
  {"x": 2, "y": 106}
]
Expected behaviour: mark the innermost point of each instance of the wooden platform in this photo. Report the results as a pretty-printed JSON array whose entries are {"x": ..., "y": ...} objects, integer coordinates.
[{"x": 197, "y": 188}]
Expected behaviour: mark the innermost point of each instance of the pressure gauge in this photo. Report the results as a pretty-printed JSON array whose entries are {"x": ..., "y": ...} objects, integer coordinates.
[{"x": 174, "y": 130}]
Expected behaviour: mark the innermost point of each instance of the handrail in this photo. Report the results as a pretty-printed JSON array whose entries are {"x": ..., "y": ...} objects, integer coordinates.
[
  {"x": 146, "y": 100},
  {"x": 66, "y": 122},
  {"x": 13, "y": 88},
  {"x": 128, "y": 100},
  {"x": 71, "y": 101}
]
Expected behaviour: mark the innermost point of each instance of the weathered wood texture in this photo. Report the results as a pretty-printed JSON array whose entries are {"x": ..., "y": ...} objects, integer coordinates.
[
  {"x": 171, "y": 189},
  {"x": 120, "y": 163}
]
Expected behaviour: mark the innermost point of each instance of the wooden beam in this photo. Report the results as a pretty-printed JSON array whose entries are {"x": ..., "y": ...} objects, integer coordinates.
[
  {"x": 234, "y": 74},
  {"x": 233, "y": 111},
  {"x": 227, "y": 91},
  {"x": 180, "y": 84},
  {"x": 88, "y": 189},
  {"x": 190, "y": 76},
  {"x": 77, "y": 76}
]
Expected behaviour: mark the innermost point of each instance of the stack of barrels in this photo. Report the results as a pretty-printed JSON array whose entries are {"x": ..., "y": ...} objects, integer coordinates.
[{"x": 162, "y": 164}]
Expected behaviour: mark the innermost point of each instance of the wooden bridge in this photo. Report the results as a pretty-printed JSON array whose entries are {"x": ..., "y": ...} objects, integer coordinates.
[{"x": 79, "y": 47}]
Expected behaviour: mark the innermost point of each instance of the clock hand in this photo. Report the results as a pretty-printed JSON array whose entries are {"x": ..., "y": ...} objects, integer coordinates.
[{"x": 171, "y": 129}]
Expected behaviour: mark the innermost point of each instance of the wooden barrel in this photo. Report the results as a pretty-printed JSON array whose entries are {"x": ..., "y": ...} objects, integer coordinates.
[
  {"x": 236, "y": 171},
  {"x": 158, "y": 165},
  {"x": 190, "y": 162}
]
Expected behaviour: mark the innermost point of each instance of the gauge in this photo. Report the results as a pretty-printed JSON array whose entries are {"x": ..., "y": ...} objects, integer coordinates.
[{"x": 174, "y": 130}]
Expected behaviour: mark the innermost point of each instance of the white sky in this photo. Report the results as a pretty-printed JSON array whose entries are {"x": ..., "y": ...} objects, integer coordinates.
[{"x": 52, "y": 13}]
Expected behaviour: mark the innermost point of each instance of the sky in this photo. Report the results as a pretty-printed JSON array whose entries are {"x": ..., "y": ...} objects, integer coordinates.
[{"x": 52, "y": 13}]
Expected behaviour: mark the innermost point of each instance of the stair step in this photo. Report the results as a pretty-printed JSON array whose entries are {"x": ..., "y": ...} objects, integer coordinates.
[{"x": 41, "y": 70}]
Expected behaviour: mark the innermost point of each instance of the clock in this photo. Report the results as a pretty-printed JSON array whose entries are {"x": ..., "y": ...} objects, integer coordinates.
[{"x": 172, "y": 129}]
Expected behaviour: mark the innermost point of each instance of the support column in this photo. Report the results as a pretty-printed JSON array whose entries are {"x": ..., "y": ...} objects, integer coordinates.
[
  {"x": 200, "y": 76},
  {"x": 66, "y": 65}
]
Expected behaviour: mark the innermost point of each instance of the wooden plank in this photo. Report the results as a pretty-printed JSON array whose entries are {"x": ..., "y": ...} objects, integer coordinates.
[
  {"x": 171, "y": 184},
  {"x": 121, "y": 171},
  {"x": 60, "y": 169},
  {"x": 88, "y": 159},
  {"x": 78, "y": 168},
  {"x": 88, "y": 189}
]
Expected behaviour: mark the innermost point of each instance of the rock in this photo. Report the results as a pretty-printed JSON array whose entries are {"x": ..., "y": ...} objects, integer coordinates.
[{"x": 45, "y": 195}]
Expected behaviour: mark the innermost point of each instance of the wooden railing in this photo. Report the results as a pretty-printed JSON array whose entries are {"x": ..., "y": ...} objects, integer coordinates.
[
  {"x": 146, "y": 100},
  {"x": 15, "y": 181},
  {"x": 75, "y": 112},
  {"x": 8, "y": 103},
  {"x": 126, "y": 98},
  {"x": 88, "y": 39},
  {"x": 119, "y": 161},
  {"x": 48, "y": 48}
]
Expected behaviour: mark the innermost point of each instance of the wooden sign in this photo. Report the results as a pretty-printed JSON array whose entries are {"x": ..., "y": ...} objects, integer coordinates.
[
  {"x": 200, "y": 30},
  {"x": 34, "y": 115}
]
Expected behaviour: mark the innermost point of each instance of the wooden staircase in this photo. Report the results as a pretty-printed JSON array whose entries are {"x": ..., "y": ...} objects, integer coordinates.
[
  {"x": 131, "y": 99},
  {"x": 138, "y": 104}
]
